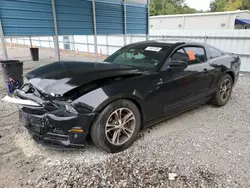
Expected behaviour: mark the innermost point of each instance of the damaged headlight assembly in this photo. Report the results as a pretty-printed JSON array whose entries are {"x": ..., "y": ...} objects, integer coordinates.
[{"x": 66, "y": 106}]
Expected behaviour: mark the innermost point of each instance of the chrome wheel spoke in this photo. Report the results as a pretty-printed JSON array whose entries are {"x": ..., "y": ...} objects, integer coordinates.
[
  {"x": 224, "y": 96},
  {"x": 115, "y": 137},
  {"x": 110, "y": 128},
  {"x": 127, "y": 133},
  {"x": 128, "y": 130},
  {"x": 110, "y": 125},
  {"x": 222, "y": 92},
  {"x": 116, "y": 114},
  {"x": 120, "y": 114},
  {"x": 128, "y": 118},
  {"x": 223, "y": 84}
]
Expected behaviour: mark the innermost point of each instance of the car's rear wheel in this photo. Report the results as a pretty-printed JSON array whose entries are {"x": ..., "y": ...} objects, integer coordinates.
[
  {"x": 223, "y": 90},
  {"x": 117, "y": 126}
]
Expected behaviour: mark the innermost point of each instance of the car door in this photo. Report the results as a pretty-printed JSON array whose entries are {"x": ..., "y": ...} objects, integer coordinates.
[
  {"x": 182, "y": 89},
  {"x": 202, "y": 71}
]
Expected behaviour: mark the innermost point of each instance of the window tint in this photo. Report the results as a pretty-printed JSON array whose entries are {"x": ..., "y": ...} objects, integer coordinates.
[
  {"x": 192, "y": 55},
  {"x": 180, "y": 55},
  {"x": 215, "y": 53}
]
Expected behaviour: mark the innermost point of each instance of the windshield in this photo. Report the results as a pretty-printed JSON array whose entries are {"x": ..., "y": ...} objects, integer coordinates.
[{"x": 141, "y": 56}]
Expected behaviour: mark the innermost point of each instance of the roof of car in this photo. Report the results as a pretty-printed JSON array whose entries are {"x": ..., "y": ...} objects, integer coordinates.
[{"x": 168, "y": 42}]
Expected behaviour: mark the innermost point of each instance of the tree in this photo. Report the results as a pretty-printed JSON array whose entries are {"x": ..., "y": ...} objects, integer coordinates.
[
  {"x": 163, "y": 7},
  {"x": 218, "y": 5},
  {"x": 229, "y": 5},
  {"x": 246, "y": 5}
]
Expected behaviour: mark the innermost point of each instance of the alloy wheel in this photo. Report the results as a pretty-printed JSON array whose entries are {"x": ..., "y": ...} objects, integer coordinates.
[
  {"x": 120, "y": 126},
  {"x": 225, "y": 90}
]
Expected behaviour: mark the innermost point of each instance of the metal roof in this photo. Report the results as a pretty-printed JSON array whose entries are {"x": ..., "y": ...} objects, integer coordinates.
[
  {"x": 168, "y": 42},
  {"x": 200, "y": 14}
]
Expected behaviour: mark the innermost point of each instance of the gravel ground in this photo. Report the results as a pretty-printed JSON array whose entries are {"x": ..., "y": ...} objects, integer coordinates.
[{"x": 205, "y": 147}]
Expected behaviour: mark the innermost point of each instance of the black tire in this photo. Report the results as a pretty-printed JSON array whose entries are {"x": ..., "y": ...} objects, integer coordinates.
[
  {"x": 217, "y": 99},
  {"x": 98, "y": 131}
]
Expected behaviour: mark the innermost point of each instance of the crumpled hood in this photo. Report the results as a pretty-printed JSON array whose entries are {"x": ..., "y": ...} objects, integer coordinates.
[{"x": 60, "y": 77}]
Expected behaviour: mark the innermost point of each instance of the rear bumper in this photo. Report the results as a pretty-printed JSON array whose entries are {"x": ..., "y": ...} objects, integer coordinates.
[{"x": 55, "y": 129}]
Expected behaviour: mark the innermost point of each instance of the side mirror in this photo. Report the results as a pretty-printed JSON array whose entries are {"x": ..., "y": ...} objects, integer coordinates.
[{"x": 178, "y": 65}]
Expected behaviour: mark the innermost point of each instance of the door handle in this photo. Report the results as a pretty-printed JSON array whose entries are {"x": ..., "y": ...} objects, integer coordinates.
[{"x": 160, "y": 82}]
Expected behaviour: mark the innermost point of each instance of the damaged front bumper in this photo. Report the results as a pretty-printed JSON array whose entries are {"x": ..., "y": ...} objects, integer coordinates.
[{"x": 53, "y": 128}]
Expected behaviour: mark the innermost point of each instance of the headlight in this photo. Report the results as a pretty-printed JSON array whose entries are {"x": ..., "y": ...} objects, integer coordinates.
[
  {"x": 65, "y": 106},
  {"x": 70, "y": 108}
]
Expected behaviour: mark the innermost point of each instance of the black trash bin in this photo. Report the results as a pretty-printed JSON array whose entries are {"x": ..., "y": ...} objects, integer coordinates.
[
  {"x": 34, "y": 54},
  {"x": 12, "y": 74}
]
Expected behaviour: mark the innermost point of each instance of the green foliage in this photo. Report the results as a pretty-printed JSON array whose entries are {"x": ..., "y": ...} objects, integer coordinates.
[
  {"x": 229, "y": 5},
  {"x": 164, "y": 7}
]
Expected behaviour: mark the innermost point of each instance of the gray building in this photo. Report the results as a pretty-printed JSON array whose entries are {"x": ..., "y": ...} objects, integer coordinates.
[{"x": 202, "y": 21}]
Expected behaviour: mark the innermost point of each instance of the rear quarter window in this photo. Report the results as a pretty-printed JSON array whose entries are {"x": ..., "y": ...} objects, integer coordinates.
[{"x": 215, "y": 53}]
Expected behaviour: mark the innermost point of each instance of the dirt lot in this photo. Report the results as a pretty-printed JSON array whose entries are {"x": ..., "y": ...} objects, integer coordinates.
[{"x": 205, "y": 147}]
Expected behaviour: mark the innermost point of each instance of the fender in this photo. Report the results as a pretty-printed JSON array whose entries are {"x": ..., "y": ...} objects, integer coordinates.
[{"x": 98, "y": 99}]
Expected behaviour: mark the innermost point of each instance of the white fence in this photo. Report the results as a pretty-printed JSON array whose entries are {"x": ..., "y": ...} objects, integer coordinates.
[{"x": 234, "y": 41}]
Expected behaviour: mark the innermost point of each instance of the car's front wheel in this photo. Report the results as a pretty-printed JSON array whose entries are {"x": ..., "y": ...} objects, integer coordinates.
[
  {"x": 223, "y": 90},
  {"x": 117, "y": 126}
]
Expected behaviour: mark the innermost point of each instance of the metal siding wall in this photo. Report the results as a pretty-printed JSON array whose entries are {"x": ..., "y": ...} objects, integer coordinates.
[
  {"x": 74, "y": 17},
  {"x": 26, "y": 17},
  {"x": 200, "y": 22},
  {"x": 137, "y": 19},
  {"x": 109, "y": 18},
  {"x": 163, "y": 23},
  {"x": 206, "y": 22}
]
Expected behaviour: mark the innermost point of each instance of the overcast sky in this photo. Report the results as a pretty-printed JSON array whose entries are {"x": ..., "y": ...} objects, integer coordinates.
[{"x": 199, "y": 4}]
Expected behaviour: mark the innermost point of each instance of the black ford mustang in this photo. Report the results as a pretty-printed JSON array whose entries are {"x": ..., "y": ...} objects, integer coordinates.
[{"x": 139, "y": 85}]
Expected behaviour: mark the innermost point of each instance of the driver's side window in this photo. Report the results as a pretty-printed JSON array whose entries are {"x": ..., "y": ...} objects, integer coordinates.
[
  {"x": 180, "y": 55},
  {"x": 192, "y": 55}
]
